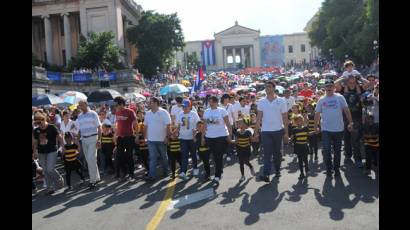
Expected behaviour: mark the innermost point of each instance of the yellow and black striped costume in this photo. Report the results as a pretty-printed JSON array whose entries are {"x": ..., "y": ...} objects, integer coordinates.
[
  {"x": 71, "y": 152},
  {"x": 300, "y": 135},
  {"x": 174, "y": 146},
  {"x": 311, "y": 122},
  {"x": 107, "y": 139},
  {"x": 371, "y": 136},
  {"x": 242, "y": 139}
]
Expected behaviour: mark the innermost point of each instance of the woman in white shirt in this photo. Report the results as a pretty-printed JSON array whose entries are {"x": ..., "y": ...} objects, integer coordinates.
[
  {"x": 68, "y": 125},
  {"x": 218, "y": 133}
]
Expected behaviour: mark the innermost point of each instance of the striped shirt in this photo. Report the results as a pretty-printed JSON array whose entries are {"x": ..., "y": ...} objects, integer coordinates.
[
  {"x": 301, "y": 135},
  {"x": 71, "y": 152},
  {"x": 88, "y": 123}
]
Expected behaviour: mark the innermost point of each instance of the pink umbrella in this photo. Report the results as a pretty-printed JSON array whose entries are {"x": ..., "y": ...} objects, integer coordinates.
[
  {"x": 214, "y": 91},
  {"x": 146, "y": 94}
]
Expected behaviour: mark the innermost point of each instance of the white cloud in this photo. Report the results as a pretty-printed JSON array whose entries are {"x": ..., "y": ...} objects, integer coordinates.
[{"x": 200, "y": 19}]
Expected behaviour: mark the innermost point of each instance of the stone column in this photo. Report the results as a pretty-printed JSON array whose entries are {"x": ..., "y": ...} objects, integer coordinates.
[
  {"x": 48, "y": 39},
  {"x": 67, "y": 37},
  {"x": 251, "y": 56},
  {"x": 234, "y": 55},
  {"x": 243, "y": 56},
  {"x": 224, "y": 58}
]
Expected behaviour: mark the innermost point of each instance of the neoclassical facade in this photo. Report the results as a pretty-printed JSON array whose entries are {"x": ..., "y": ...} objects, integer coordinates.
[
  {"x": 57, "y": 25},
  {"x": 245, "y": 46}
]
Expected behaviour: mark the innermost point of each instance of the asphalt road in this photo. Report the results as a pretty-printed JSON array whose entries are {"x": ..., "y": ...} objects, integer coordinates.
[{"x": 350, "y": 202}]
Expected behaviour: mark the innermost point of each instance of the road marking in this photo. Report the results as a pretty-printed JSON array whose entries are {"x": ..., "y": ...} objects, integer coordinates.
[
  {"x": 153, "y": 224},
  {"x": 191, "y": 198}
]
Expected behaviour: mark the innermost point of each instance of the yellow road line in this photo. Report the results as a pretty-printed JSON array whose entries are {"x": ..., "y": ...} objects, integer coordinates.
[{"x": 153, "y": 224}]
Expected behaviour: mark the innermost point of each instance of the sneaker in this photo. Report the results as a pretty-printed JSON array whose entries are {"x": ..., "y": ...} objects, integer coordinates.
[
  {"x": 183, "y": 176},
  {"x": 242, "y": 179},
  {"x": 252, "y": 171},
  {"x": 337, "y": 173},
  {"x": 92, "y": 186},
  {"x": 217, "y": 179},
  {"x": 67, "y": 189},
  {"x": 264, "y": 178},
  {"x": 195, "y": 172},
  {"x": 359, "y": 164},
  {"x": 301, "y": 176},
  {"x": 228, "y": 158},
  {"x": 139, "y": 166}
]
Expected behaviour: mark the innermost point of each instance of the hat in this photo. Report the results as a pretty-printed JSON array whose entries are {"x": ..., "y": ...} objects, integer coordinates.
[
  {"x": 329, "y": 82},
  {"x": 186, "y": 103}
]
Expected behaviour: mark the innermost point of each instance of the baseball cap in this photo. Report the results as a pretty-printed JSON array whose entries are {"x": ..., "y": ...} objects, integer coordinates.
[
  {"x": 186, "y": 103},
  {"x": 329, "y": 82}
]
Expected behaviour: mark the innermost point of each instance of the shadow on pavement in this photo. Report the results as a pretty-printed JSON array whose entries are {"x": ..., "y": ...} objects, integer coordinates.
[
  {"x": 235, "y": 192},
  {"x": 299, "y": 189},
  {"x": 265, "y": 200},
  {"x": 336, "y": 197}
]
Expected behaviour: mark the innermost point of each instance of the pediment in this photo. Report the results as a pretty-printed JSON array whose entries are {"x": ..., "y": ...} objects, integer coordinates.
[{"x": 237, "y": 30}]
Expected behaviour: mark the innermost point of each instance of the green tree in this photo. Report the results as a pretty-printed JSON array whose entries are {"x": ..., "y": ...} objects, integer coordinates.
[
  {"x": 157, "y": 37},
  {"x": 98, "y": 51},
  {"x": 192, "y": 61},
  {"x": 347, "y": 27}
]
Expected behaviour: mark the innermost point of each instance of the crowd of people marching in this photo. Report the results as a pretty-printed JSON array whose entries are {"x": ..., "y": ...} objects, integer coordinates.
[{"x": 105, "y": 141}]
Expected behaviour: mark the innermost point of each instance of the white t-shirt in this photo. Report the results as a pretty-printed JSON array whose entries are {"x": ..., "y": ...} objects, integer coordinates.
[
  {"x": 216, "y": 126},
  {"x": 156, "y": 124},
  {"x": 244, "y": 110},
  {"x": 187, "y": 123},
  {"x": 229, "y": 109},
  {"x": 290, "y": 102},
  {"x": 88, "y": 123},
  {"x": 175, "y": 110},
  {"x": 235, "y": 109},
  {"x": 70, "y": 127},
  {"x": 272, "y": 113},
  {"x": 346, "y": 74}
]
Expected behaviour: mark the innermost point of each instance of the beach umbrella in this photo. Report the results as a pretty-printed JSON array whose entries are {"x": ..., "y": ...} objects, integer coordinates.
[
  {"x": 135, "y": 97},
  {"x": 72, "y": 97},
  {"x": 46, "y": 99},
  {"x": 173, "y": 89},
  {"x": 214, "y": 91},
  {"x": 102, "y": 95}
]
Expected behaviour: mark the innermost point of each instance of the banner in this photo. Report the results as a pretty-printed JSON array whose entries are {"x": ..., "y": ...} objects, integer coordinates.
[
  {"x": 54, "y": 76},
  {"x": 82, "y": 77},
  {"x": 112, "y": 76},
  {"x": 272, "y": 51},
  {"x": 208, "y": 53}
]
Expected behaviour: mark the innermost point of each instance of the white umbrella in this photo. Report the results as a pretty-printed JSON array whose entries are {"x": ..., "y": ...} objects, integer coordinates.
[
  {"x": 72, "y": 97},
  {"x": 135, "y": 97}
]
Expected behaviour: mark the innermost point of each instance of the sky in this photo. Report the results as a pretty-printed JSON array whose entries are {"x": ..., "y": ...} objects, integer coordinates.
[{"x": 201, "y": 19}]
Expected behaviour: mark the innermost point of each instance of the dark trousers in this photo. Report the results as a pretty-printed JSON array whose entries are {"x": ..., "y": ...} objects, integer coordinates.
[
  {"x": 188, "y": 149},
  {"x": 68, "y": 176},
  {"x": 124, "y": 154},
  {"x": 372, "y": 156},
  {"x": 302, "y": 151},
  {"x": 271, "y": 143},
  {"x": 217, "y": 147},
  {"x": 107, "y": 151},
  {"x": 204, "y": 156},
  {"x": 243, "y": 156},
  {"x": 352, "y": 142},
  {"x": 174, "y": 157},
  {"x": 144, "y": 156},
  {"x": 329, "y": 140},
  {"x": 313, "y": 144}
]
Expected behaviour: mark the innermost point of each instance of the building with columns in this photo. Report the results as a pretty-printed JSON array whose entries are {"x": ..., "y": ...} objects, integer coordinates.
[
  {"x": 58, "y": 24},
  {"x": 239, "y": 45}
]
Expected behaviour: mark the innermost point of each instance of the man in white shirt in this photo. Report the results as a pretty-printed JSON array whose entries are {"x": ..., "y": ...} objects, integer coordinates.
[
  {"x": 176, "y": 109},
  {"x": 273, "y": 117},
  {"x": 90, "y": 131},
  {"x": 157, "y": 129},
  {"x": 186, "y": 122},
  {"x": 229, "y": 108},
  {"x": 290, "y": 100}
]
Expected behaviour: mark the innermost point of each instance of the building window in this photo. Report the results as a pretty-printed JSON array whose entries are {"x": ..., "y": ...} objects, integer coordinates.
[
  {"x": 237, "y": 59},
  {"x": 194, "y": 53},
  {"x": 229, "y": 59},
  {"x": 302, "y": 48},
  {"x": 290, "y": 49},
  {"x": 64, "y": 58}
]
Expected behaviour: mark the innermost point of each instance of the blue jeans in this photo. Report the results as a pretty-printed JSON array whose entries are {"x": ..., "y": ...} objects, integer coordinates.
[
  {"x": 187, "y": 147},
  {"x": 332, "y": 139},
  {"x": 271, "y": 142},
  {"x": 155, "y": 148},
  {"x": 352, "y": 142}
]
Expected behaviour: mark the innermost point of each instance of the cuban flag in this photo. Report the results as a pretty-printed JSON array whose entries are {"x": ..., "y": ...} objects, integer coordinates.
[
  {"x": 208, "y": 53},
  {"x": 198, "y": 80}
]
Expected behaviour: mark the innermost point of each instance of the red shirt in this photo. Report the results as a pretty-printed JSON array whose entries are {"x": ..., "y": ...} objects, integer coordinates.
[
  {"x": 124, "y": 119},
  {"x": 306, "y": 93}
]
